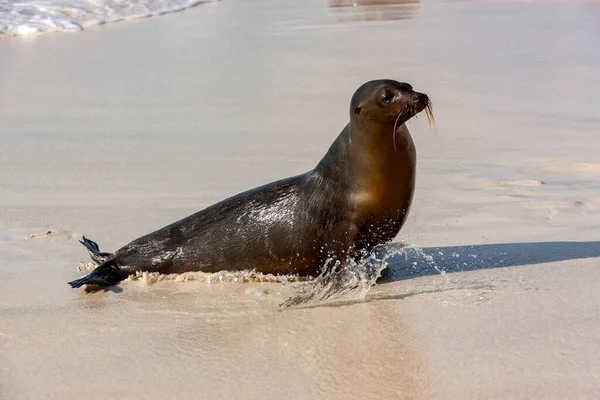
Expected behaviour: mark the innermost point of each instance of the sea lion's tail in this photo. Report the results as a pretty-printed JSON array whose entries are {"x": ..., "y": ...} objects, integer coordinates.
[
  {"x": 97, "y": 256},
  {"x": 106, "y": 274}
]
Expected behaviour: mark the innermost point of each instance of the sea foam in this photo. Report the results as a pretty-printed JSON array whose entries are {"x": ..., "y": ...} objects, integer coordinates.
[{"x": 27, "y": 17}]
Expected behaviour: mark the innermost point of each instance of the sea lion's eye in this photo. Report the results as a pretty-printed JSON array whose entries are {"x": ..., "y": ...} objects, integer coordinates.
[{"x": 386, "y": 97}]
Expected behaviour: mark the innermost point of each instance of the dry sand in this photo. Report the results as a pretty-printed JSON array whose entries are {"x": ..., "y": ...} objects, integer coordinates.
[{"x": 121, "y": 129}]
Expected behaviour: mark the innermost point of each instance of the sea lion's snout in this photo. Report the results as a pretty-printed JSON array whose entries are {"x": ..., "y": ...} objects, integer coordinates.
[
  {"x": 422, "y": 100},
  {"x": 412, "y": 103}
]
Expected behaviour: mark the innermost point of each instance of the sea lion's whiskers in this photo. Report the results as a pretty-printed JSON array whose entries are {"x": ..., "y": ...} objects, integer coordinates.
[
  {"x": 430, "y": 117},
  {"x": 394, "y": 131}
]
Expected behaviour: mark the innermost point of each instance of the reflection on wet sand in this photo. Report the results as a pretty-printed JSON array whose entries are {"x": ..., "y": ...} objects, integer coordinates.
[
  {"x": 374, "y": 10},
  {"x": 220, "y": 334}
]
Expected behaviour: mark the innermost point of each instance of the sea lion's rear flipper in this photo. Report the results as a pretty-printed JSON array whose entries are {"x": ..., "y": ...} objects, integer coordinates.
[
  {"x": 97, "y": 256},
  {"x": 106, "y": 274}
]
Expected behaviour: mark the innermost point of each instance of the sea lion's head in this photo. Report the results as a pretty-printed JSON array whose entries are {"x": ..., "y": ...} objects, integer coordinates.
[{"x": 386, "y": 103}]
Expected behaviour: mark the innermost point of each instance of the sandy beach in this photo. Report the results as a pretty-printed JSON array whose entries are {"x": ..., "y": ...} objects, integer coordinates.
[{"x": 118, "y": 130}]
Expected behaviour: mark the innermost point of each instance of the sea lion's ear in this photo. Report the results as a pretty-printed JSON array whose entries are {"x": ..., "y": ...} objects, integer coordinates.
[{"x": 357, "y": 110}]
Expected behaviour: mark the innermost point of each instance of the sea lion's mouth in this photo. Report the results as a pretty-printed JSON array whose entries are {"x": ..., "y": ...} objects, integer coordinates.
[
  {"x": 407, "y": 111},
  {"x": 422, "y": 102}
]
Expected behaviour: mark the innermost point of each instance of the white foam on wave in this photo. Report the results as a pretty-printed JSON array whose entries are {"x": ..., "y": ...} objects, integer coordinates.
[
  {"x": 246, "y": 276},
  {"x": 27, "y": 17}
]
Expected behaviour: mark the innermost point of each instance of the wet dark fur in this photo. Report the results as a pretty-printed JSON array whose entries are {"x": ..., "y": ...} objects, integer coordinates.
[{"x": 357, "y": 197}]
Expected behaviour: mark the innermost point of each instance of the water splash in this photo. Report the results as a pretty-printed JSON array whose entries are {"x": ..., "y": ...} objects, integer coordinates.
[
  {"x": 429, "y": 260},
  {"x": 353, "y": 281},
  {"x": 337, "y": 282}
]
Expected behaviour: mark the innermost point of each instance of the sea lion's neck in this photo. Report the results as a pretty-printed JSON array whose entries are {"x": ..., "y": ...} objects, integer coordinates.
[{"x": 366, "y": 153}]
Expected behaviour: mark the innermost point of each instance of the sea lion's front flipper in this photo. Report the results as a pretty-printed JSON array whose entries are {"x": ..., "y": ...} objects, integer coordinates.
[
  {"x": 106, "y": 274},
  {"x": 97, "y": 256}
]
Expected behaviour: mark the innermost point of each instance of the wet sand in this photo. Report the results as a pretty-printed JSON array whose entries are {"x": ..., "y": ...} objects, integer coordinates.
[{"x": 118, "y": 130}]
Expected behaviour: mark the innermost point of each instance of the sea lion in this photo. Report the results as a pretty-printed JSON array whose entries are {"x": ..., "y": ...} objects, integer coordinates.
[{"x": 357, "y": 197}]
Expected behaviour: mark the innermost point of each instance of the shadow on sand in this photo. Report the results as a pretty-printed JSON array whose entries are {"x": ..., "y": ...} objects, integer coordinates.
[{"x": 431, "y": 260}]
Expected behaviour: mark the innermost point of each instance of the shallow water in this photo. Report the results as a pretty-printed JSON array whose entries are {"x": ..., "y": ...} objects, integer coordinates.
[{"x": 121, "y": 129}]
